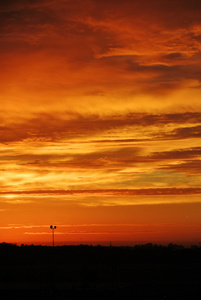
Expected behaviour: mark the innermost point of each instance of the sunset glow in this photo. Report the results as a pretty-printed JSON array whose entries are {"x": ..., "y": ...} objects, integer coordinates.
[{"x": 100, "y": 121}]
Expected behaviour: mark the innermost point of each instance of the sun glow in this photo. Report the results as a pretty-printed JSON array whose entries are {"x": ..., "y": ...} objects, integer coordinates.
[{"x": 10, "y": 196}]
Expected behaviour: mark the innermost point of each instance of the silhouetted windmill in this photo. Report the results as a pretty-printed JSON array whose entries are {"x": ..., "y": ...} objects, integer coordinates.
[{"x": 53, "y": 228}]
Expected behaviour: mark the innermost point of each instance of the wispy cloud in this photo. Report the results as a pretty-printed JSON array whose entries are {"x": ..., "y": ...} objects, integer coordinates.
[
  {"x": 46, "y": 127},
  {"x": 115, "y": 192}
]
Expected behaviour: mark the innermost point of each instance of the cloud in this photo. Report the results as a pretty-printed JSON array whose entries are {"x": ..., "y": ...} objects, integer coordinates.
[
  {"x": 118, "y": 159},
  {"x": 178, "y": 154},
  {"x": 99, "y": 93},
  {"x": 186, "y": 132},
  {"x": 111, "y": 192},
  {"x": 72, "y": 126},
  {"x": 50, "y": 45},
  {"x": 191, "y": 167}
]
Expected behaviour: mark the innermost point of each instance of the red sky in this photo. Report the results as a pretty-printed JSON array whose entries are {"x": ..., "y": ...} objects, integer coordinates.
[{"x": 100, "y": 121}]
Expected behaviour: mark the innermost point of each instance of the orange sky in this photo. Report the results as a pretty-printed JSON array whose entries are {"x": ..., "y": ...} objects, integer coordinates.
[{"x": 100, "y": 121}]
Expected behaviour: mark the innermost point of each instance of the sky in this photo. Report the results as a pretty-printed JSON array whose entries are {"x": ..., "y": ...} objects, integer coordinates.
[{"x": 100, "y": 121}]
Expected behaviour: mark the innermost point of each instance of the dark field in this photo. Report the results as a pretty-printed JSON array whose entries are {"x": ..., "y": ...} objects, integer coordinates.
[{"x": 77, "y": 272}]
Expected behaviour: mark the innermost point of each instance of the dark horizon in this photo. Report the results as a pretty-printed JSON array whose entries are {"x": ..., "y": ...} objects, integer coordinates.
[
  {"x": 185, "y": 244},
  {"x": 96, "y": 272}
]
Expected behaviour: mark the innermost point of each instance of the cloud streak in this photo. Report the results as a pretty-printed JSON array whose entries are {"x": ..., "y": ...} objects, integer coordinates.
[
  {"x": 115, "y": 192},
  {"x": 74, "y": 126}
]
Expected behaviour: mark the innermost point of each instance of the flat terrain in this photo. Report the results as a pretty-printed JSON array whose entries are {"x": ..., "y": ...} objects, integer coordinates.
[{"x": 77, "y": 272}]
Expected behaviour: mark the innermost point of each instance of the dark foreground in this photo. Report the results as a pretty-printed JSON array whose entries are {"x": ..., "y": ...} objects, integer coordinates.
[{"x": 77, "y": 272}]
